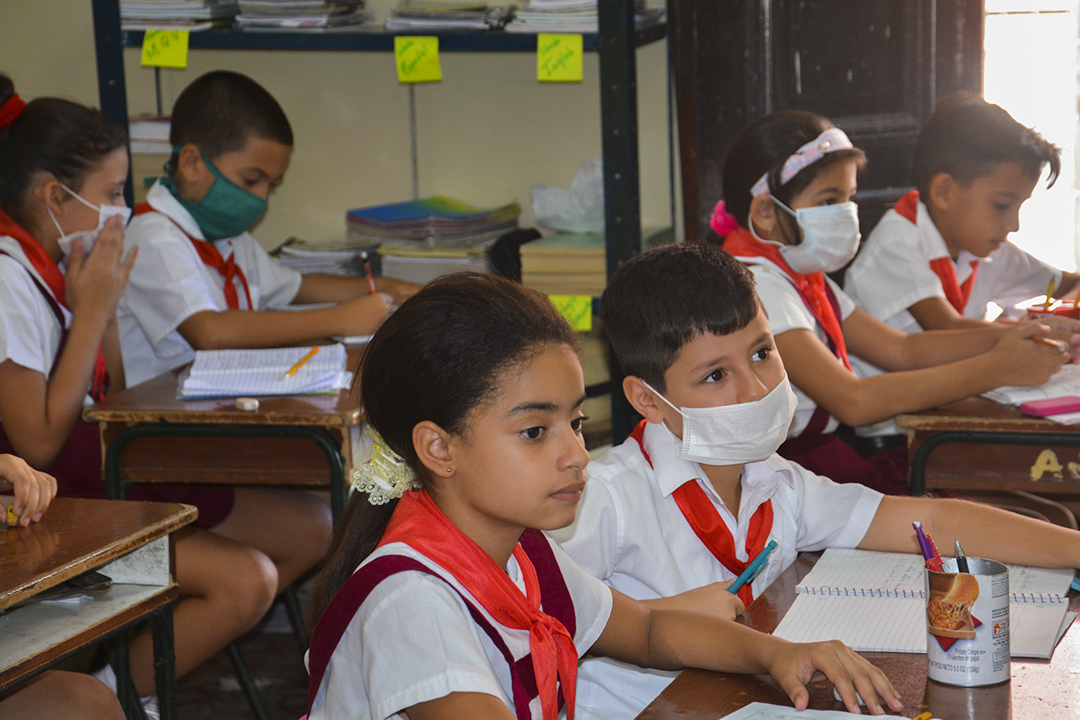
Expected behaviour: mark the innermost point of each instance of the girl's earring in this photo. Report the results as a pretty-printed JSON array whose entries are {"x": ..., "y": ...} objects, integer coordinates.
[{"x": 449, "y": 471}]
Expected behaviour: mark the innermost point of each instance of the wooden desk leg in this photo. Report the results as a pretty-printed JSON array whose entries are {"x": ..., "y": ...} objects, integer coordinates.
[{"x": 161, "y": 624}]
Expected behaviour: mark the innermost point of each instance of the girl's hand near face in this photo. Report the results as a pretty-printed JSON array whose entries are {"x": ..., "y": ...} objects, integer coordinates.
[
  {"x": 34, "y": 490},
  {"x": 95, "y": 281}
]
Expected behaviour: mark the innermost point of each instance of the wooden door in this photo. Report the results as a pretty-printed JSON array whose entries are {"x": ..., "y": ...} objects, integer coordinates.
[{"x": 874, "y": 67}]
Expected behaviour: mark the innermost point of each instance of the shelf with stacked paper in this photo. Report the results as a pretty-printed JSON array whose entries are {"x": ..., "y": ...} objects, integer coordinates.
[{"x": 377, "y": 40}]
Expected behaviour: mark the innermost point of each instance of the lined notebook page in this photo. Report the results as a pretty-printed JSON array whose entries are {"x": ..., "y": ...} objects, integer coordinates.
[
  {"x": 227, "y": 373},
  {"x": 1065, "y": 381},
  {"x": 880, "y": 624},
  {"x": 878, "y": 574},
  {"x": 764, "y": 711}
]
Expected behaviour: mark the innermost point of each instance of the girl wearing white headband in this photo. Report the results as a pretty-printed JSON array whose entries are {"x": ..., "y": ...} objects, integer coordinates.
[{"x": 788, "y": 181}]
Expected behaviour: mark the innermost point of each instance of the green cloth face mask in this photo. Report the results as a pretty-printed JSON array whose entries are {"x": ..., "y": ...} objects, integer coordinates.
[{"x": 227, "y": 209}]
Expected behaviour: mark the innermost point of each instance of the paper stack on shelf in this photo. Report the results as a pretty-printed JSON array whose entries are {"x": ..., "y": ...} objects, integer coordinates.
[
  {"x": 175, "y": 14},
  {"x": 420, "y": 240},
  {"x": 301, "y": 14},
  {"x": 344, "y": 258},
  {"x": 574, "y": 263},
  {"x": 436, "y": 222},
  {"x": 574, "y": 16},
  {"x": 149, "y": 135},
  {"x": 438, "y": 16}
]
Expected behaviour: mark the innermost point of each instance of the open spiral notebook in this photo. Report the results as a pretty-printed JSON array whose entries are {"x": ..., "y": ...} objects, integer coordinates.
[{"x": 873, "y": 601}]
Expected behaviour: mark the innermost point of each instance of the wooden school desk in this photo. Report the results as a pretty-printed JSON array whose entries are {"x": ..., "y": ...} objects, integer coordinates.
[
  {"x": 978, "y": 444},
  {"x": 1038, "y": 689},
  {"x": 130, "y": 542},
  {"x": 148, "y": 436}
]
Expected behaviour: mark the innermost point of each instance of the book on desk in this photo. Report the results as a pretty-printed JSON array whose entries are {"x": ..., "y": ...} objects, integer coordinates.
[
  {"x": 267, "y": 371},
  {"x": 873, "y": 602}
]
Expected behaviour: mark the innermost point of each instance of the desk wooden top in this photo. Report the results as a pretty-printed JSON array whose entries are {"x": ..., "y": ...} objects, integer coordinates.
[
  {"x": 977, "y": 414},
  {"x": 1037, "y": 689},
  {"x": 155, "y": 401},
  {"x": 76, "y": 535}
]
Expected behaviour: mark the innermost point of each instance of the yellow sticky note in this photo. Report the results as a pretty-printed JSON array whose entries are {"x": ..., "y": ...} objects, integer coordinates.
[
  {"x": 577, "y": 309},
  {"x": 165, "y": 48},
  {"x": 417, "y": 58},
  {"x": 559, "y": 58}
]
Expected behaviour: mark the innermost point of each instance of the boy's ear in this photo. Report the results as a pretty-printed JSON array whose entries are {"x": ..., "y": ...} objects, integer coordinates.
[
  {"x": 942, "y": 187},
  {"x": 189, "y": 163},
  {"x": 763, "y": 215},
  {"x": 432, "y": 445},
  {"x": 642, "y": 399}
]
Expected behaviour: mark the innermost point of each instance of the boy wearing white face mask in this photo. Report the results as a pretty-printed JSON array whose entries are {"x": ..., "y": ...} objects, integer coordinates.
[
  {"x": 788, "y": 182},
  {"x": 675, "y": 513}
]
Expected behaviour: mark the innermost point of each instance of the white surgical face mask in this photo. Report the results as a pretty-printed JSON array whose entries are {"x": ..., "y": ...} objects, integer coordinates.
[
  {"x": 830, "y": 237},
  {"x": 87, "y": 237},
  {"x": 736, "y": 434}
]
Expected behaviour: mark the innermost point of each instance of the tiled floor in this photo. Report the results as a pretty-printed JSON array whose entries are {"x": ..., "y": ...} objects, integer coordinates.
[{"x": 212, "y": 693}]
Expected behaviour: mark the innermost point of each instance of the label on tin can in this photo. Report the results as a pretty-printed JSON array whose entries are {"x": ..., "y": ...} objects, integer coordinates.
[{"x": 967, "y": 624}]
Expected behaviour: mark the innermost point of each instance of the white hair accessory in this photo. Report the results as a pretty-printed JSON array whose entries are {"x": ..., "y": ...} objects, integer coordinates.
[{"x": 385, "y": 476}]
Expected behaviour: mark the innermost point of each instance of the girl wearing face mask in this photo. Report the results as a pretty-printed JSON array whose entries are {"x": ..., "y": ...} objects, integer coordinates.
[
  {"x": 788, "y": 180},
  {"x": 62, "y": 272}
]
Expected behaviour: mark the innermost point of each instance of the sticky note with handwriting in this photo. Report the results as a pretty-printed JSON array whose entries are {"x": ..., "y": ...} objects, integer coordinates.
[
  {"x": 559, "y": 58},
  {"x": 417, "y": 58},
  {"x": 165, "y": 48},
  {"x": 577, "y": 309}
]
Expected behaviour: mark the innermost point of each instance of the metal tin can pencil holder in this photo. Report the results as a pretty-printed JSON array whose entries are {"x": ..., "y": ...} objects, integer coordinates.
[{"x": 967, "y": 623}]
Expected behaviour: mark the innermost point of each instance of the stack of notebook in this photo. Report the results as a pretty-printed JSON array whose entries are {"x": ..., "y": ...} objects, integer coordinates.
[
  {"x": 300, "y": 14},
  {"x": 441, "y": 16},
  {"x": 573, "y": 16},
  {"x": 344, "y": 258},
  {"x": 175, "y": 14},
  {"x": 573, "y": 263},
  {"x": 422, "y": 239}
]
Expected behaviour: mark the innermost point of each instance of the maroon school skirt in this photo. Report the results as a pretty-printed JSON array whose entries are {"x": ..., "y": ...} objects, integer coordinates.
[
  {"x": 78, "y": 474},
  {"x": 828, "y": 455}
]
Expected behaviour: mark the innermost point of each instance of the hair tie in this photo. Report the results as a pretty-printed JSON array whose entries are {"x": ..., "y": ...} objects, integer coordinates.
[
  {"x": 11, "y": 109},
  {"x": 722, "y": 221},
  {"x": 384, "y": 477}
]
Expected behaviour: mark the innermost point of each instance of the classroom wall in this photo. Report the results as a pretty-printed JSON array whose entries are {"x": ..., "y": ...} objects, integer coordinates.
[{"x": 486, "y": 134}]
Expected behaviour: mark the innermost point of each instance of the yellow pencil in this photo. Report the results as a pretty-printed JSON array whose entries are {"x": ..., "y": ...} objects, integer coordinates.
[
  {"x": 924, "y": 716},
  {"x": 1049, "y": 294},
  {"x": 300, "y": 363}
]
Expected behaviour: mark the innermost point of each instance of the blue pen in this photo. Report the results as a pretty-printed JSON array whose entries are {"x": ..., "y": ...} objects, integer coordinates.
[{"x": 752, "y": 569}]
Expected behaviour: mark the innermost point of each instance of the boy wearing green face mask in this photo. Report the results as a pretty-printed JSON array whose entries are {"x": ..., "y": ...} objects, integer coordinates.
[{"x": 202, "y": 281}]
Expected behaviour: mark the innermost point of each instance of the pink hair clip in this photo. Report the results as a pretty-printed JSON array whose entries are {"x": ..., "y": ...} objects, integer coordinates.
[
  {"x": 722, "y": 221},
  {"x": 829, "y": 141}
]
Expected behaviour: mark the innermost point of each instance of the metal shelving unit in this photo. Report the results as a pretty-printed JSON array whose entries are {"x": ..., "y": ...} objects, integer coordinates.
[{"x": 615, "y": 42}]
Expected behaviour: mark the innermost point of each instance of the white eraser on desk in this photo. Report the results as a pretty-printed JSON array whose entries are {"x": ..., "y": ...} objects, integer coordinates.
[
  {"x": 246, "y": 403},
  {"x": 836, "y": 694}
]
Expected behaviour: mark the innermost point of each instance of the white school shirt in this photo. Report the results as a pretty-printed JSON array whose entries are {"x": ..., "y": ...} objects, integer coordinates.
[
  {"x": 787, "y": 311},
  {"x": 892, "y": 272},
  {"x": 169, "y": 283},
  {"x": 631, "y": 534},
  {"x": 29, "y": 332},
  {"x": 413, "y": 640}
]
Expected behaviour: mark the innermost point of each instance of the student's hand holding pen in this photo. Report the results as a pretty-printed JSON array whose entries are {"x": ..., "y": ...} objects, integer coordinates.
[
  {"x": 363, "y": 315},
  {"x": 713, "y": 599},
  {"x": 1026, "y": 357},
  {"x": 1065, "y": 329}
]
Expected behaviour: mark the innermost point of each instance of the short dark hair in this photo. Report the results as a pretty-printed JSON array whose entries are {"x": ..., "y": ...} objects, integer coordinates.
[
  {"x": 59, "y": 137},
  {"x": 762, "y": 147},
  {"x": 441, "y": 354},
  {"x": 662, "y": 299},
  {"x": 222, "y": 111},
  {"x": 968, "y": 137}
]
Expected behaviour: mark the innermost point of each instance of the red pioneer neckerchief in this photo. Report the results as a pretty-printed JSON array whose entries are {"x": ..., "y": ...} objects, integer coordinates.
[
  {"x": 811, "y": 288},
  {"x": 711, "y": 528},
  {"x": 50, "y": 272},
  {"x": 907, "y": 207},
  {"x": 209, "y": 254},
  {"x": 419, "y": 523}
]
